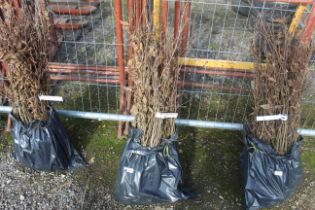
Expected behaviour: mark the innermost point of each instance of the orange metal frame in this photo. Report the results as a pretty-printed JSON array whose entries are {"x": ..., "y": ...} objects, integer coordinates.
[{"x": 73, "y": 10}]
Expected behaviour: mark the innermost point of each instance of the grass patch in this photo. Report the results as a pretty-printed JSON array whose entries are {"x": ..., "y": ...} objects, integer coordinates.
[
  {"x": 308, "y": 115},
  {"x": 5, "y": 138},
  {"x": 308, "y": 155},
  {"x": 100, "y": 146},
  {"x": 211, "y": 164}
]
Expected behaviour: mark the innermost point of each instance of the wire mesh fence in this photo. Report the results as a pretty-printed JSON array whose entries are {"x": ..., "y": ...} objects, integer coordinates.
[
  {"x": 84, "y": 69},
  {"x": 85, "y": 77},
  {"x": 225, "y": 30}
]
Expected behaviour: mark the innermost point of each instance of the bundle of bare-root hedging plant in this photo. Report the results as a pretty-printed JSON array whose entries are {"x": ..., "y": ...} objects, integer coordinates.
[
  {"x": 40, "y": 141},
  {"x": 145, "y": 175},
  {"x": 271, "y": 157},
  {"x": 279, "y": 84},
  {"x": 23, "y": 48},
  {"x": 155, "y": 72}
]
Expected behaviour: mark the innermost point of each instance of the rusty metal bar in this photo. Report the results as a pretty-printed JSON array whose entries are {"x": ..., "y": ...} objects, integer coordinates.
[
  {"x": 73, "y": 10},
  {"x": 83, "y": 79},
  {"x": 114, "y": 72},
  {"x": 131, "y": 14},
  {"x": 136, "y": 18},
  {"x": 53, "y": 65},
  {"x": 309, "y": 25},
  {"x": 70, "y": 24},
  {"x": 76, "y": 72},
  {"x": 131, "y": 20},
  {"x": 176, "y": 20},
  {"x": 65, "y": 2},
  {"x": 186, "y": 17},
  {"x": 120, "y": 57},
  {"x": 56, "y": 67},
  {"x": 164, "y": 18},
  {"x": 138, "y": 13},
  {"x": 202, "y": 72}
]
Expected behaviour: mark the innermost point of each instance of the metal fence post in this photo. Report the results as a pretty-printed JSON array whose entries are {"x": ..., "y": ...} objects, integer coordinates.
[{"x": 120, "y": 61}]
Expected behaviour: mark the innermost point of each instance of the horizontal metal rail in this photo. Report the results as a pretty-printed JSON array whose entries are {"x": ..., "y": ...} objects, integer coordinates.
[
  {"x": 217, "y": 64},
  {"x": 226, "y": 68},
  {"x": 109, "y": 75},
  {"x": 179, "y": 122}
]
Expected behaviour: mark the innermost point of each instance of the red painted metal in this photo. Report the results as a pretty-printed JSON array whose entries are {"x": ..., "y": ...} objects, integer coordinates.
[
  {"x": 53, "y": 65},
  {"x": 138, "y": 13},
  {"x": 186, "y": 17},
  {"x": 69, "y": 24},
  {"x": 73, "y": 10},
  {"x": 73, "y": 2},
  {"x": 176, "y": 19},
  {"x": 309, "y": 25},
  {"x": 75, "y": 72},
  {"x": 164, "y": 18},
  {"x": 120, "y": 54},
  {"x": 120, "y": 46},
  {"x": 83, "y": 79},
  {"x": 131, "y": 19}
]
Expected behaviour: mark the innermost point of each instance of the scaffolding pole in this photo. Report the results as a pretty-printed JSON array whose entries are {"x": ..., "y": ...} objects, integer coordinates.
[{"x": 179, "y": 122}]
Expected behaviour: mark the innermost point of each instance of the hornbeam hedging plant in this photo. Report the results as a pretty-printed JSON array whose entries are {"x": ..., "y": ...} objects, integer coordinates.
[
  {"x": 155, "y": 72},
  {"x": 279, "y": 83},
  {"x": 24, "y": 38}
]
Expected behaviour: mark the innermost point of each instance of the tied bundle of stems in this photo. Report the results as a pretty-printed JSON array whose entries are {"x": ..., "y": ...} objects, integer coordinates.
[
  {"x": 279, "y": 84},
  {"x": 24, "y": 39},
  {"x": 155, "y": 72}
]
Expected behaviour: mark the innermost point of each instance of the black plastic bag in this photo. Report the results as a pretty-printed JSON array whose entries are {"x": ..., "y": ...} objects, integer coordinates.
[
  {"x": 149, "y": 175},
  {"x": 44, "y": 145},
  {"x": 268, "y": 177}
]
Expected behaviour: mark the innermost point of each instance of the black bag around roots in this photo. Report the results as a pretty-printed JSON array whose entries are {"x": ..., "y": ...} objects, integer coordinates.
[
  {"x": 149, "y": 175},
  {"x": 268, "y": 177},
  {"x": 44, "y": 145}
]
